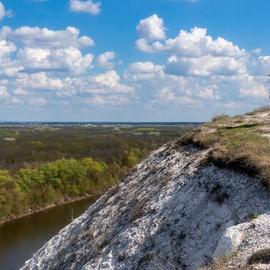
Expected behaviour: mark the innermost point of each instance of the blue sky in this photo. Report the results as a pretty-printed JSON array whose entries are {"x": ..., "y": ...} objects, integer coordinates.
[{"x": 126, "y": 60}]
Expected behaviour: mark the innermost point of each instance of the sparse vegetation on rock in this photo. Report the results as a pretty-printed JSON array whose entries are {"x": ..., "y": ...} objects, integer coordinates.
[{"x": 240, "y": 142}]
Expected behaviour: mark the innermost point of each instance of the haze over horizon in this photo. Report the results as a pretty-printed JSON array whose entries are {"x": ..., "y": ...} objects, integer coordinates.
[{"x": 132, "y": 61}]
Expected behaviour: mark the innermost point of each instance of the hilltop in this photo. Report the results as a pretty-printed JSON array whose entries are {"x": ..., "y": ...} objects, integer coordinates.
[
  {"x": 201, "y": 201},
  {"x": 241, "y": 142}
]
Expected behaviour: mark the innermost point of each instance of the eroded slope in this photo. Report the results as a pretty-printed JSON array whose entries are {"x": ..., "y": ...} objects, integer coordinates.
[{"x": 175, "y": 210}]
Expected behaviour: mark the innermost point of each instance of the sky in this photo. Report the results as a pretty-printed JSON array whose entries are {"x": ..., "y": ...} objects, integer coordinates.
[{"x": 126, "y": 60}]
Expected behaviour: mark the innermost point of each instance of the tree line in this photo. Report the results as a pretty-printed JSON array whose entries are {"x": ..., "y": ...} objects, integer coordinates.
[
  {"x": 30, "y": 189},
  {"x": 46, "y": 166}
]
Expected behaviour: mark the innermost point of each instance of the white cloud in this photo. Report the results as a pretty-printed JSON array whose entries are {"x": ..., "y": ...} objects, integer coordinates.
[
  {"x": 195, "y": 43},
  {"x": 105, "y": 89},
  {"x": 108, "y": 82},
  {"x": 36, "y": 59},
  {"x": 65, "y": 60},
  {"x": 3, "y": 91},
  {"x": 8, "y": 67},
  {"x": 205, "y": 66},
  {"x": 207, "y": 93},
  {"x": 201, "y": 69},
  {"x": 251, "y": 87},
  {"x": 37, "y": 101},
  {"x": 20, "y": 92},
  {"x": 39, "y": 81},
  {"x": 86, "y": 6},
  {"x": 151, "y": 28},
  {"x": 109, "y": 100},
  {"x": 170, "y": 95},
  {"x": 6, "y": 48},
  {"x": 166, "y": 94},
  {"x": 42, "y": 49},
  {"x": 4, "y": 12},
  {"x": 105, "y": 60},
  {"x": 39, "y": 66},
  {"x": 45, "y": 38},
  {"x": 144, "y": 71}
]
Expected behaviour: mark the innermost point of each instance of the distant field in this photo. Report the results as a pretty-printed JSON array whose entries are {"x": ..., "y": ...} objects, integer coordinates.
[{"x": 27, "y": 146}]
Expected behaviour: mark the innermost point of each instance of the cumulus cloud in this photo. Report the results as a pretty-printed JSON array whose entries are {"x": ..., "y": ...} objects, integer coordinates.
[
  {"x": 104, "y": 89},
  {"x": 144, "y": 71},
  {"x": 196, "y": 53},
  {"x": 208, "y": 93},
  {"x": 6, "y": 48},
  {"x": 42, "y": 49},
  {"x": 205, "y": 66},
  {"x": 151, "y": 28},
  {"x": 8, "y": 67},
  {"x": 252, "y": 86},
  {"x": 195, "y": 43},
  {"x": 45, "y": 38},
  {"x": 105, "y": 60},
  {"x": 35, "y": 61},
  {"x": 39, "y": 81},
  {"x": 86, "y": 6},
  {"x": 199, "y": 68},
  {"x": 108, "y": 82},
  {"x": 39, "y": 66},
  {"x": 67, "y": 59}
]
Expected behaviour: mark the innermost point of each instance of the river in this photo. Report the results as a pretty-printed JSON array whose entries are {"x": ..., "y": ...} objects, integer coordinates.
[{"x": 20, "y": 238}]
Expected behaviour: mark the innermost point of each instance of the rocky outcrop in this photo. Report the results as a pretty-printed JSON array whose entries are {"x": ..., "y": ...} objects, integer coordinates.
[{"x": 173, "y": 211}]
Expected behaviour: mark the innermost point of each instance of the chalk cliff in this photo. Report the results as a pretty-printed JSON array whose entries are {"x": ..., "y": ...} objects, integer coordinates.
[{"x": 175, "y": 210}]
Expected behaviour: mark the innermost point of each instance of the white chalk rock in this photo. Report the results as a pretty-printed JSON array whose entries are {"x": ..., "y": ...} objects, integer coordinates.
[{"x": 229, "y": 241}]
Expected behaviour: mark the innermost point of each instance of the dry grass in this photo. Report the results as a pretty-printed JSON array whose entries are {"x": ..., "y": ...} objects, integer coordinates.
[
  {"x": 219, "y": 117},
  {"x": 241, "y": 147},
  {"x": 260, "y": 257},
  {"x": 228, "y": 262}
]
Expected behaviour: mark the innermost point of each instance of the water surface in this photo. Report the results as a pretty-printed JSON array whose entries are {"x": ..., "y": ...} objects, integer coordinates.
[{"x": 20, "y": 238}]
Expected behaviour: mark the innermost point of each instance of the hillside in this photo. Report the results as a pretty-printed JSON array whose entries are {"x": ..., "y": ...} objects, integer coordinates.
[{"x": 198, "y": 202}]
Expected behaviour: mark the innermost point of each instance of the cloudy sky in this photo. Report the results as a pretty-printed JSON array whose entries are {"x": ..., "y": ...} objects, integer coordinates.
[{"x": 126, "y": 60}]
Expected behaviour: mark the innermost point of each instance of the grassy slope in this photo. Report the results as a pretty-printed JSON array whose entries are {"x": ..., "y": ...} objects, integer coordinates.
[{"x": 240, "y": 142}]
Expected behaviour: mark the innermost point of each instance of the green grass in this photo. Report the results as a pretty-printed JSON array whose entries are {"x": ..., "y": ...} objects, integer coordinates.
[{"x": 241, "y": 147}]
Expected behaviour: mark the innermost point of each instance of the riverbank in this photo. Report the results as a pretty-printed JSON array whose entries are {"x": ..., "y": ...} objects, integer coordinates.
[
  {"x": 41, "y": 209},
  {"x": 22, "y": 237}
]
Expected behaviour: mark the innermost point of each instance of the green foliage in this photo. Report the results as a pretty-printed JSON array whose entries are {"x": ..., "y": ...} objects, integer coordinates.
[
  {"x": 49, "y": 183},
  {"x": 47, "y": 166},
  {"x": 57, "y": 181}
]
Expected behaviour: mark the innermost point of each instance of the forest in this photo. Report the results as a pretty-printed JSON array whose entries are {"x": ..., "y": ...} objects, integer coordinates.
[{"x": 43, "y": 165}]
